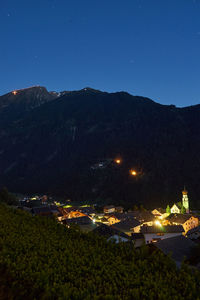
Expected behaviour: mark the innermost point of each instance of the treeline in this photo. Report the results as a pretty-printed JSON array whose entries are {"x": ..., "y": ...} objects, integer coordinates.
[
  {"x": 7, "y": 197},
  {"x": 41, "y": 259}
]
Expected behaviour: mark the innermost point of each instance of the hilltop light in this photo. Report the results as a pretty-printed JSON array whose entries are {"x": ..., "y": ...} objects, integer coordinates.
[
  {"x": 14, "y": 93},
  {"x": 133, "y": 172},
  {"x": 118, "y": 161}
]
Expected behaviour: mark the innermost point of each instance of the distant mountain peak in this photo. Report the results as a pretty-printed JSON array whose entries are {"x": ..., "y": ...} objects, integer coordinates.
[
  {"x": 89, "y": 89},
  {"x": 31, "y": 88},
  {"x": 30, "y": 97}
]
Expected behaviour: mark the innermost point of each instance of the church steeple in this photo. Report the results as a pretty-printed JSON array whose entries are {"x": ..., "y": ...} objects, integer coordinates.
[{"x": 185, "y": 200}]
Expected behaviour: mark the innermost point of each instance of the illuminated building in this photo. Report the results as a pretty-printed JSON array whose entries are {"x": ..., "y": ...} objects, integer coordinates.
[
  {"x": 176, "y": 208},
  {"x": 185, "y": 200}
]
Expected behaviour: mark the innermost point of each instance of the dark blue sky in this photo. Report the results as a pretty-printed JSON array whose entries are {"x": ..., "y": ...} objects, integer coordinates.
[{"x": 145, "y": 47}]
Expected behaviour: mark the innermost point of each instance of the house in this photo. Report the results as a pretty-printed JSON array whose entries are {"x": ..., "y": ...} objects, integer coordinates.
[
  {"x": 197, "y": 216},
  {"x": 87, "y": 210},
  {"x": 179, "y": 247},
  {"x": 76, "y": 212},
  {"x": 187, "y": 221},
  {"x": 194, "y": 233},
  {"x": 50, "y": 210},
  {"x": 159, "y": 213},
  {"x": 116, "y": 218},
  {"x": 119, "y": 209},
  {"x": 79, "y": 221},
  {"x": 109, "y": 209},
  {"x": 111, "y": 233},
  {"x": 176, "y": 208},
  {"x": 128, "y": 226},
  {"x": 32, "y": 203},
  {"x": 44, "y": 199},
  {"x": 85, "y": 223},
  {"x": 64, "y": 213},
  {"x": 156, "y": 233},
  {"x": 138, "y": 239},
  {"x": 104, "y": 220},
  {"x": 144, "y": 217},
  {"x": 99, "y": 215}
]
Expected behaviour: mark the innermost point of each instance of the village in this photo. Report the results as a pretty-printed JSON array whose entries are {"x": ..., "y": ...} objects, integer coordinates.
[{"x": 174, "y": 230}]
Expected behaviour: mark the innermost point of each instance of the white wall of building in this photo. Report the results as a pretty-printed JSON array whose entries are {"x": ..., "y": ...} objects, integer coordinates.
[{"x": 149, "y": 237}]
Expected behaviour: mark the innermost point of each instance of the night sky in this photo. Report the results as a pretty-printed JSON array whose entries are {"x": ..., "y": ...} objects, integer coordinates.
[{"x": 145, "y": 47}]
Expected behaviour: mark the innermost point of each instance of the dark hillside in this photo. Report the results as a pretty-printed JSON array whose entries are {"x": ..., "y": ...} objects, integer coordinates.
[
  {"x": 56, "y": 147},
  {"x": 41, "y": 259}
]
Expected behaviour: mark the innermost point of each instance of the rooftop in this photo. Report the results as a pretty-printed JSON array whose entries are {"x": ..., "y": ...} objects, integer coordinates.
[
  {"x": 79, "y": 221},
  {"x": 178, "y": 218},
  {"x": 109, "y": 207},
  {"x": 160, "y": 210},
  {"x": 119, "y": 216},
  {"x": 108, "y": 231},
  {"x": 193, "y": 230},
  {"x": 86, "y": 210},
  {"x": 142, "y": 216},
  {"x": 178, "y": 246},
  {"x": 162, "y": 229},
  {"x": 127, "y": 224},
  {"x": 51, "y": 209}
]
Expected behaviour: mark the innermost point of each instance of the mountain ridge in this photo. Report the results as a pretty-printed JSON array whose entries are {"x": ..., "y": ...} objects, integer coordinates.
[{"x": 54, "y": 147}]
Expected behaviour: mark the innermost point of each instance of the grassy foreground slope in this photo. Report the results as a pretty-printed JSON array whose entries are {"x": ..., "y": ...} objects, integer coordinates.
[{"x": 40, "y": 259}]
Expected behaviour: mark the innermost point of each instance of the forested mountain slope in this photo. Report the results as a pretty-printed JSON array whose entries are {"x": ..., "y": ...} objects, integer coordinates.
[{"x": 54, "y": 144}]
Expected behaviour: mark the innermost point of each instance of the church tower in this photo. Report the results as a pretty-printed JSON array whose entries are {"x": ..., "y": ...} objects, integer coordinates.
[{"x": 185, "y": 200}]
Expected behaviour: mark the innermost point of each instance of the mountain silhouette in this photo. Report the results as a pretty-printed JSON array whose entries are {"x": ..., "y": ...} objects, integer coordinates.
[{"x": 66, "y": 144}]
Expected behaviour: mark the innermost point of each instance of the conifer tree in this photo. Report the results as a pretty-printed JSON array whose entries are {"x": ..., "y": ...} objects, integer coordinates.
[
  {"x": 168, "y": 210},
  {"x": 183, "y": 210}
]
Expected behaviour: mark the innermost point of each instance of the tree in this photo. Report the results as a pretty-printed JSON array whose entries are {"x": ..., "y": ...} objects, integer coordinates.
[
  {"x": 183, "y": 210},
  {"x": 168, "y": 210},
  {"x": 179, "y": 204},
  {"x": 142, "y": 208},
  {"x": 7, "y": 197},
  {"x": 135, "y": 207}
]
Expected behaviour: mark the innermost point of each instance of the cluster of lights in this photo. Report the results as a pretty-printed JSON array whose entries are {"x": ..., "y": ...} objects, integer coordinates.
[
  {"x": 157, "y": 223},
  {"x": 14, "y": 93},
  {"x": 132, "y": 172}
]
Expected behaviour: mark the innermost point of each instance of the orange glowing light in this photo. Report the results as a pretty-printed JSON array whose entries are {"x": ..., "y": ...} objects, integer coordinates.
[
  {"x": 133, "y": 172},
  {"x": 118, "y": 161},
  {"x": 14, "y": 92}
]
